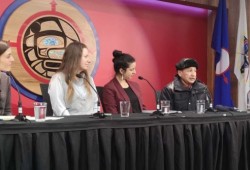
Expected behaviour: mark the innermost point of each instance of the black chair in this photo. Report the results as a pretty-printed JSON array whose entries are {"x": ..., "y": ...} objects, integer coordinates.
[{"x": 46, "y": 98}]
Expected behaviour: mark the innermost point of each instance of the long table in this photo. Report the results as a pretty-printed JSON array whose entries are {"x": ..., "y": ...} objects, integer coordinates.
[{"x": 186, "y": 141}]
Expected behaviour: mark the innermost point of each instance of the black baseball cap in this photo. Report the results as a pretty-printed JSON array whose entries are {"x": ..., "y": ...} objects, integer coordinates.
[{"x": 186, "y": 63}]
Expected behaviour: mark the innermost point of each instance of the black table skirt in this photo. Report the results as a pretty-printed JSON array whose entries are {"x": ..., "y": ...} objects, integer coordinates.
[{"x": 141, "y": 142}]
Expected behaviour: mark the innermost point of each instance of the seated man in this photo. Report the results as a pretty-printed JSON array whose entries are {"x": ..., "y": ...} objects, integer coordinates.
[{"x": 185, "y": 89}]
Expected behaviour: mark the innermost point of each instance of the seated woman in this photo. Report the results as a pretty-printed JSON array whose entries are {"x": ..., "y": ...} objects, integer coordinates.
[
  {"x": 70, "y": 88},
  {"x": 6, "y": 60},
  {"x": 120, "y": 88}
]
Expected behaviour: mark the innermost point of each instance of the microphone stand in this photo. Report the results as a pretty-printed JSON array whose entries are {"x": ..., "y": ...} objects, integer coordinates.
[
  {"x": 20, "y": 116},
  {"x": 210, "y": 102},
  {"x": 98, "y": 114},
  {"x": 157, "y": 112}
]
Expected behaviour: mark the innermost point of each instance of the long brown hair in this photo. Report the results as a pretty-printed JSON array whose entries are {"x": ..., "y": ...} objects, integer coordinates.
[
  {"x": 4, "y": 45},
  {"x": 70, "y": 62}
]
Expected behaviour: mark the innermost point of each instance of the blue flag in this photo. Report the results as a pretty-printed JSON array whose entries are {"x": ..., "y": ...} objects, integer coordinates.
[{"x": 220, "y": 43}]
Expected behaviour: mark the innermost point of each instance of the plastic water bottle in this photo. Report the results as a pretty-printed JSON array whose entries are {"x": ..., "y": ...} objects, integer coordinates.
[{"x": 248, "y": 102}]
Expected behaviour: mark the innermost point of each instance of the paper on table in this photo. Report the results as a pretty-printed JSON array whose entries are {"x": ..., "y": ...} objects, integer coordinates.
[
  {"x": 47, "y": 118},
  {"x": 151, "y": 111},
  {"x": 29, "y": 117},
  {"x": 7, "y": 117},
  {"x": 148, "y": 111},
  {"x": 54, "y": 118}
]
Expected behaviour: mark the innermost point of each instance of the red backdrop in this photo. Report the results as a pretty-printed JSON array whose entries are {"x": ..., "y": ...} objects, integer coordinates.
[{"x": 157, "y": 34}]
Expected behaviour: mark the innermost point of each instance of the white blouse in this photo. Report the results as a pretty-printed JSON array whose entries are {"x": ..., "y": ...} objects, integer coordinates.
[{"x": 82, "y": 103}]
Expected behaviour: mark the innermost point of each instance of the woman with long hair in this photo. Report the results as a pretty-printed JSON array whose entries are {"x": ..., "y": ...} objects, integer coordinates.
[
  {"x": 71, "y": 94},
  {"x": 6, "y": 60}
]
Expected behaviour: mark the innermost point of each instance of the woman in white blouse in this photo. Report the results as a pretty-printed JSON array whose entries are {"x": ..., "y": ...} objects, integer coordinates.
[{"x": 69, "y": 94}]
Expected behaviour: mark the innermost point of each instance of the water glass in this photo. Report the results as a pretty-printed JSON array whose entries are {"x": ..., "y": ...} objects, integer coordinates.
[
  {"x": 165, "y": 106},
  {"x": 200, "y": 106},
  {"x": 124, "y": 108},
  {"x": 40, "y": 110}
]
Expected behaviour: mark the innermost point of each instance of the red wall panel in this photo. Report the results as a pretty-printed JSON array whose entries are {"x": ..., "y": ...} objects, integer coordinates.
[{"x": 157, "y": 34}]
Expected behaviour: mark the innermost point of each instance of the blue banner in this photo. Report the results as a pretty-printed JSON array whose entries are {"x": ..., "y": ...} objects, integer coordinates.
[{"x": 220, "y": 43}]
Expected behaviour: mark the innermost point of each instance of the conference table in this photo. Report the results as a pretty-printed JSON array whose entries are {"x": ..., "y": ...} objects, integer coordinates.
[{"x": 179, "y": 141}]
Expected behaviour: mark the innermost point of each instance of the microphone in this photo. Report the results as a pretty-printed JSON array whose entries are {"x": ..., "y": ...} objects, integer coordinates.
[
  {"x": 209, "y": 100},
  {"x": 157, "y": 112},
  {"x": 20, "y": 116},
  {"x": 98, "y": 113}
]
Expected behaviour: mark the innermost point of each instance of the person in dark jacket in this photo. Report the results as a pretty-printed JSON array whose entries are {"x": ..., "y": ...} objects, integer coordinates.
[
  {"x": 6, "y": 60},
  {"x": 120, "y": 88},
  {"x": 185, "y": 89}
]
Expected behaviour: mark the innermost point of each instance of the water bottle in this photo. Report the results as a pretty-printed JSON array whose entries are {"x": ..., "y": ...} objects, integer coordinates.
[{"x": 248, "y": 102}]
